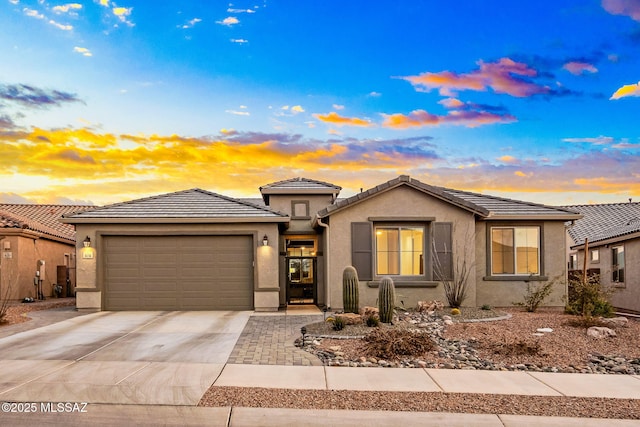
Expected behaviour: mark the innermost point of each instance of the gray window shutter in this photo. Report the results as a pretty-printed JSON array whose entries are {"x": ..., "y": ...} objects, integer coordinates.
[
  {"x": 443, "y": 250},
  {"x": 362, "y": 249}
]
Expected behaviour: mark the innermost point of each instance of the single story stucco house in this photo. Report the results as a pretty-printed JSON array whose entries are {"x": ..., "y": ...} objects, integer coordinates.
[{"x": 198, "y": 250}]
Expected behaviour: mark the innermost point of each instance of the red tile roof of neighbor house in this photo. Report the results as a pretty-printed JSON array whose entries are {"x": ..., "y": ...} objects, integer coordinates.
[
  {"x": 605, "y": 221},
  {"x": 44, "y": 219}
]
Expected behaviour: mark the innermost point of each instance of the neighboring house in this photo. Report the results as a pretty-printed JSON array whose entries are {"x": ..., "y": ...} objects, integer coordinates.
[
  {"x": 613, "y": 235},
  {"x": 36, "y": 246},
  {"x": 197, "y": 250}
]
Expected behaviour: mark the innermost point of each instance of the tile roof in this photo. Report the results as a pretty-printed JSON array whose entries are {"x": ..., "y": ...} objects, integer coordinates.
[
  {"x": 41, "y": 218},
  {"x": 300, "y": 184},
  {"x": 605, "y": 221},
  {"x": 195, "y": 204},
  {"x": 488, "y": 207}
]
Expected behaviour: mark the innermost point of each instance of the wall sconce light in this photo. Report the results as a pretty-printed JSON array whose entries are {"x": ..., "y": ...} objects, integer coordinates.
[
  {"x": 265, "y": 241},
  {"x": 87, "y": 242}
]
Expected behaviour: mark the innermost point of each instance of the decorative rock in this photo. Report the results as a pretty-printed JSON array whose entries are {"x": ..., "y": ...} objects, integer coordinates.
[
  {"x": 615, "y": 322},
  {"x": 461, "y": 354},
  {"x": 544, "y": 330},
  {"x": 600, "y": 332},
  {"x": 367, "y": 311},
  {"x": 351, "y": 318},
  {"x": 538, "y": 334},
  {"x": 429, "y": 306}
]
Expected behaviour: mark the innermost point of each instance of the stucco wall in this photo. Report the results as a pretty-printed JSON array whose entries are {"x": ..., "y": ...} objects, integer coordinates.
[
  {"x": 282, "y": 203},
  {"x": 625, "y": 296},
  {"x": 26, "y": 249},
  {"x": 500, "y": 293},
  {"x": 89, "y": 274},
  {"x": 400, "y": 202}
]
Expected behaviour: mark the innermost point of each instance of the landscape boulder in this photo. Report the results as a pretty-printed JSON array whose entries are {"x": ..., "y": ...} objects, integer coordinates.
[
  {"x": 600, "y": 332},
  {"x": 615, "y": 322}
]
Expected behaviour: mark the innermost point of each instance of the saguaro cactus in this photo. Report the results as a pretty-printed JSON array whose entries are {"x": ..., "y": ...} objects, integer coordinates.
[
  {"x": 350, "y": 290},
  {"x": 386, "y": 299}
]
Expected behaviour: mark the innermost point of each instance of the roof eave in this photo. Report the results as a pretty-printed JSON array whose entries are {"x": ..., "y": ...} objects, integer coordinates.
[
  {"x": 169, "y": 220},
  {"x": 285, "y": 191},
  {"x": 609, "y": 241},
  {"x": 534, "y": 217}
]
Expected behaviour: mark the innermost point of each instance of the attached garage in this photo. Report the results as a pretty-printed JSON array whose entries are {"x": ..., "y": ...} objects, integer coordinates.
[
  {"x": 178, "y": 272},
  {"x": 188, "y": 250}
]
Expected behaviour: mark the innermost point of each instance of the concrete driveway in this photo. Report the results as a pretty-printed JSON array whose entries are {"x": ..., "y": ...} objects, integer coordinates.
[{"x": 165, "y": 358}]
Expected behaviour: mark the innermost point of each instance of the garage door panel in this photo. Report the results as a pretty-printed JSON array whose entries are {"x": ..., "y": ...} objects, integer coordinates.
[{"x": 178, "y": 272}]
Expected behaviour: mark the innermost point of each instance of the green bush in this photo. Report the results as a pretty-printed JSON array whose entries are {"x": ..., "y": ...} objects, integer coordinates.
[
  {"x": 589, "y": 298},
  {"x": 536, "y": 294}
]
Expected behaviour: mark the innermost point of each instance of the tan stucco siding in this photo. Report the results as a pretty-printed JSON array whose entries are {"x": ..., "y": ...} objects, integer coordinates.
[
  {"x": 400, "y": 202},
  {"x": 625, "y": 296},
  {"x": 500, "y": 293},
  {"x": 266, "y": 288},
  {"x": 26, "y": 249}
]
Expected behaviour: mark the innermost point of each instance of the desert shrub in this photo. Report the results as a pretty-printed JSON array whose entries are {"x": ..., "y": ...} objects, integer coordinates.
[
  {"x": 393, "y": 343},
  {"x": 588, "y": 298},
  {"x": 338, "y": 323},
  {"x": 485, "y": 307},
  {"x": 4, "y": 303},
  {"x": 372, "y": 321},
  {"x": 536, "y": 294},
  {"x": 518, "y": 347}
]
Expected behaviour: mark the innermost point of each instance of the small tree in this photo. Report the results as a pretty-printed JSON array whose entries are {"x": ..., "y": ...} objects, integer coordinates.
[
  {"x": 588, "y": 298},
  {"x": 456, "y": 282},
  {"x": 536, "y": 294}
]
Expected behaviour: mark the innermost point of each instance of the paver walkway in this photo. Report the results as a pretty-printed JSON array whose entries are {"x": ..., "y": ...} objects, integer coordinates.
[{"x": 268, "y": 339}]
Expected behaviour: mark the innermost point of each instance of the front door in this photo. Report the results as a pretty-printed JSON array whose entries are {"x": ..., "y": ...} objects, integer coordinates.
[{"x": 301, "y": 280}]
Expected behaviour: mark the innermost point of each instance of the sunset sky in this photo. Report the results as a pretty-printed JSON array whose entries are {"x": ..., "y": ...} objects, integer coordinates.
[{"x": 104, "y": 101}]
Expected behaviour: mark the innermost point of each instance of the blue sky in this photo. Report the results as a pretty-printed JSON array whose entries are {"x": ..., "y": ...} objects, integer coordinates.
[{"x": 104, "y": 101}]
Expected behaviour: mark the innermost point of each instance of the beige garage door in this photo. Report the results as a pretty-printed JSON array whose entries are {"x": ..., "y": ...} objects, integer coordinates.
[{"x": 178, "y": 272}]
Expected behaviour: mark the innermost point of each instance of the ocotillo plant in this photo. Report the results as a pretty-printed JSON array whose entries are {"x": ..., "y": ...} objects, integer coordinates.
[
  {"x": 386, "y": 299},
  {"x": 350, "y": 290}
]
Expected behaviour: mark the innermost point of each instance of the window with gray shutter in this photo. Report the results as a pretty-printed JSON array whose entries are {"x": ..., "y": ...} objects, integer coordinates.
[
  {"x": 362, "y": 249},
  {"x": 443, "y": 251}
]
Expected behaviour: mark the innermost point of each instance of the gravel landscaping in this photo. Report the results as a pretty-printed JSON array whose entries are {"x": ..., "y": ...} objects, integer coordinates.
[
  {"x": 465, "y": 343},
  {"x": 423, "y": 402},
  {"x": 17, "y": 312},
  {"x": 511, "y": 343}
]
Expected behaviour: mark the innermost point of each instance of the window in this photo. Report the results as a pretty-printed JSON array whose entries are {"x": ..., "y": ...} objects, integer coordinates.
[
  {"x": 617, "y": 260},
  {"x": 573, "y": 262},
  {"x": 594, "y": 255},
  {"x": 300, "y": 209},
  {"x": 400, "y": 250},
  {"x": 515, "y": 250}
]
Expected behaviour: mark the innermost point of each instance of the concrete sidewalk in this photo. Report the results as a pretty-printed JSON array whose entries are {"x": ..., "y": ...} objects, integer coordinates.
[
  {"x": 150, "y": 415},
  {"x": 431, "y": 380}
]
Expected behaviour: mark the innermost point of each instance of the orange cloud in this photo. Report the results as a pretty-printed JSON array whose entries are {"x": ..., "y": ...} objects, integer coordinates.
[
  {"x": 339, "y": 120},
  {"x": 508, "y": 159},
  {"x": 627, "y": 90},
  {"x": 504, "y": 76}
]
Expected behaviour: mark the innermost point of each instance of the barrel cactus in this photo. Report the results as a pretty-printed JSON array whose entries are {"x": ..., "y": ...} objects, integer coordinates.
[
  {"x": 350, "y": 290},
  {"x": 386, "y": 299}
]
